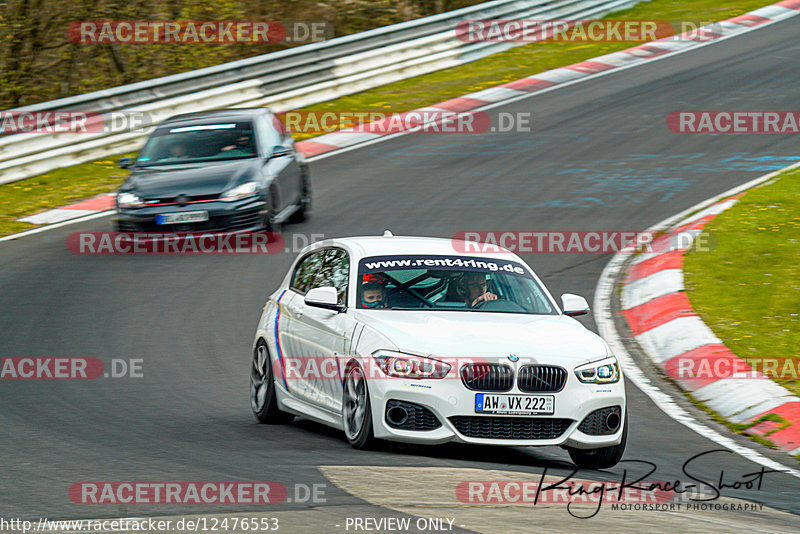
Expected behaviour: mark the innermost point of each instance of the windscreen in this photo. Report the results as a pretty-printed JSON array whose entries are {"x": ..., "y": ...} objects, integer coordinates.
[
  {"x": 449, "y": 283},
  {"x": 200, "y": 142}
]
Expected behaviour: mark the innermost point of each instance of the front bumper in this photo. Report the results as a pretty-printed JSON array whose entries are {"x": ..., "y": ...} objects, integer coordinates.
[
  {"x": 448, "y": 398},
  {"x": 242, "y": 215}
]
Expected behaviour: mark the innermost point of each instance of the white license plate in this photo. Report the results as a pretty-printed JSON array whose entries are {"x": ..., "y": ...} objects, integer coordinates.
[
  {"x": 185, "y": 217},
  {"x": 515, "y": 404}
]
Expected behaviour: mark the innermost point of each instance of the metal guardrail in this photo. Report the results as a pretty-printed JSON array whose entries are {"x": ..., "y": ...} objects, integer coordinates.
[{"x": 282, "y": 80}]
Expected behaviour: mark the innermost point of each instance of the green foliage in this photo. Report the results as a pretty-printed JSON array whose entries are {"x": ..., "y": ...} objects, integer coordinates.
[
  {"x": 747, "y": 288},
  {"x": 63, "y": 186},
  {"x": 56, "y": 188},
  {"x": 38, "y": 62}
]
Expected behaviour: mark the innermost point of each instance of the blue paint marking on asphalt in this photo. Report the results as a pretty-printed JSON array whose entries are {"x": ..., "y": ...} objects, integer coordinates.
[
  {"x": 607, "y": 182},
  {"x": 744, "y": 161},
  {"x": 612, "y": 182},
  {"x": 606, "y": 188}
]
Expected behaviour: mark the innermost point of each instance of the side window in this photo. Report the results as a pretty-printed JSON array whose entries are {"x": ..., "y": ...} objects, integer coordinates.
[
  {"x": 334, "y": 272},
  {"x": 306, "y": 270}
]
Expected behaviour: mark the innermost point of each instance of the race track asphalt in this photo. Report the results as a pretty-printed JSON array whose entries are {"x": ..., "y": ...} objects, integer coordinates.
[{"x": 599, "y": 157}]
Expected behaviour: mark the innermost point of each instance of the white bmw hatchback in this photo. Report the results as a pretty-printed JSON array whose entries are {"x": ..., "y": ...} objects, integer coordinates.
[{"x": 413, "y": 339}]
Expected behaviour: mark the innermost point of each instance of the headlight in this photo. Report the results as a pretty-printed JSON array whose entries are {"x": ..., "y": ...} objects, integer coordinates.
[
  {"x": 407, "y": 366},
  {"x": 129, "y": 200},
  {"x": 240, "y": 191},
  {"x": 604, "y": 371}
]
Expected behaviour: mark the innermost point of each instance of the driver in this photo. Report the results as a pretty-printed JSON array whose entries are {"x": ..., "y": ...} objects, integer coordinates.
[
  {"x": 177, "y": 151},
  {"x": 373, "y": 292},
  {"x": 474, "y": 289}
]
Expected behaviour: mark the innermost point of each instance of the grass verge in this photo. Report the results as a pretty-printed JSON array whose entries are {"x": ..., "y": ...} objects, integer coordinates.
[
  {"x": 69, "y": 184},
  {"x": 747, "y": 288},
  {"x": 742, "y": 429},
  {"x": 56, "y": 188}
]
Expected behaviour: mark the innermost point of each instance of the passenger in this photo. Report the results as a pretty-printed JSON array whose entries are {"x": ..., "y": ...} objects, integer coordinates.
[{"x": 373, "y": 292}]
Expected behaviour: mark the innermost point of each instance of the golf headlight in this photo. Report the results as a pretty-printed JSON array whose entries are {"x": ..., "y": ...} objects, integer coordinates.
[
  {"x": 240, "y": 191},
  {"x": 604, "y": 371},
  {"x": 129, "y": 200},
  {"x": 407, "y": 366}
]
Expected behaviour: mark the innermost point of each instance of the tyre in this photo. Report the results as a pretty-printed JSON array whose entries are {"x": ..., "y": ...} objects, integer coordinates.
[
  {"x": 304, "y": 204},
  {"x": 356, "y": 409},
  {"x": 262, "y": 388},
  {"x": 603, "y": 458},
  {"x": 270, "y": 224}
]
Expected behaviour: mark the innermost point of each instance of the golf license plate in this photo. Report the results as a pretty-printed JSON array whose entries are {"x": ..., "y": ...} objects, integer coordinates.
[
  {"x": 184, "y": 217},
  {"x": 515, "y": 404}
]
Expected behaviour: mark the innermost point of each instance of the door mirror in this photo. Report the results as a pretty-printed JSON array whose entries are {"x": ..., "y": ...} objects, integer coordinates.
[
  {"x": 280, "y": 151},
  {"x": 125, "y": 163},
  {"x": 324, "y": 297},
  {"x": 574, "y": 305}
]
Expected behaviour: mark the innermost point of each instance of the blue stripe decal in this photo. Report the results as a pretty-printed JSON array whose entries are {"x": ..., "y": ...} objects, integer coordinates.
[{"x": 278, "y": 339}]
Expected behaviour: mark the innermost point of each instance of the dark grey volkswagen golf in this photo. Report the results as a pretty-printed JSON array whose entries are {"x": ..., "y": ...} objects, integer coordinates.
[{"x": 227, "y": 170}]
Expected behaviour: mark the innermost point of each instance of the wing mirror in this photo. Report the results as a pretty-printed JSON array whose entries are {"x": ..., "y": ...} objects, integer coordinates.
[
  {"x": 574, "y": 305},
  {"x": 280, "y": 151},
  {"x": 324, "y": 297},
  {"x": 125, "y": 163}
]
